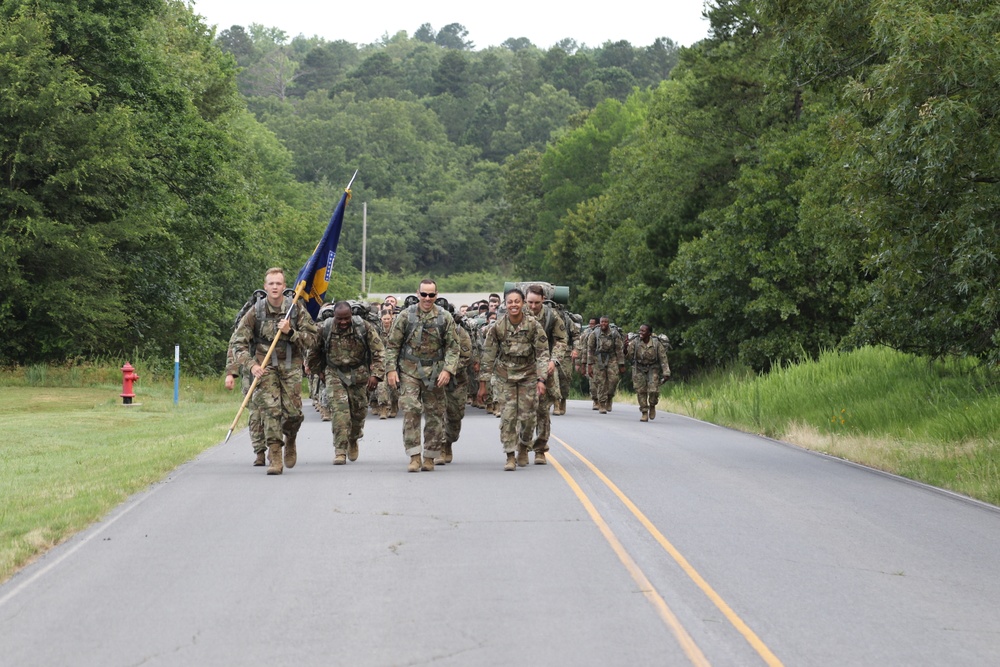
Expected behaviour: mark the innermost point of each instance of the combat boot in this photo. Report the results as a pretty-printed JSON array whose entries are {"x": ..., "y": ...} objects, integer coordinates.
[
  {"x": 340, "y": 458},
  {"x": 447, "y": 453},
  {"x": 596, "y": 406},
  {"x": 352, "y": 450},
  {"x": 291, "y": 456},
  {"x": 274, "y": 453},
  {"x": 609, "y": 404},
  {"x": 383, "y": 412},
  {"x": 439, "y": 459},
  {"x": 414, "y": 464},
  {"x": 259, "y": 461},
  {"x": 511, "y": 464},
  {"x": 644, "y": 417},
  {"x": 540, "y": 458},
  {"x": 522, "y": 455},
  {"x": 652, "y": 412},
  {"x": 428, "y": 465},
  {"x": 602, "y": 408}
]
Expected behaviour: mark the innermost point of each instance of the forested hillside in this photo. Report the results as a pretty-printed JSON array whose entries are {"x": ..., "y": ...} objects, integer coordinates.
[{"x": 809, "y": 176}]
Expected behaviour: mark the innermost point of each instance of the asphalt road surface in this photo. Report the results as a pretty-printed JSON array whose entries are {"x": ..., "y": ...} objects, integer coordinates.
[{"x": 672, "y": 542}]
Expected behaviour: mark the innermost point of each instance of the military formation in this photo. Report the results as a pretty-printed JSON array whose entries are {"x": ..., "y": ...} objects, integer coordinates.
[{"x": 513, "y": 356}]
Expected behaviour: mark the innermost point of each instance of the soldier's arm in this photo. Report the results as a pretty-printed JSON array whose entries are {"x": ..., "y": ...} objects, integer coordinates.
[
  {"x": 377, "y": 349},
  {"x": 541, "y": 352},
  {"x": 242, "y": 342},
  {"x": 560, "y": 340},
  {"x": 453, "y": 348},
  {"x": 304, "y": 334}
]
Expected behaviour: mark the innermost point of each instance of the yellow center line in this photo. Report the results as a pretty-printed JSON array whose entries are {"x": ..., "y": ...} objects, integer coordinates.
[
  {"x": 683, "y": 638},
  {"x": 736, "y": 621}
]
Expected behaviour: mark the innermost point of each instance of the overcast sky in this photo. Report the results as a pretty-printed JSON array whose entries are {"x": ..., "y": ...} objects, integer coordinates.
[{"x": 544, "y": 22}]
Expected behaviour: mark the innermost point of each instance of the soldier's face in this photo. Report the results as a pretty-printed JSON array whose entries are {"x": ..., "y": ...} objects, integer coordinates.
[
  {"x": 514, "y": 304},
  {"x": 644, "y": 333},
  {"x": 274, "y": 285},
  {"x": 387, "y": 321},
  {"x": 427, "y": 294},
  {"x": 342, "y": 319},
  {"x": 592, "y": 324},
  {"x": 534, "y": 303},
  {"x": 605, "y": 324}
]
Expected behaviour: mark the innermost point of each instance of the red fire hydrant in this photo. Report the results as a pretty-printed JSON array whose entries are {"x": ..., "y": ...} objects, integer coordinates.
[{"x": 128, "y": 377}]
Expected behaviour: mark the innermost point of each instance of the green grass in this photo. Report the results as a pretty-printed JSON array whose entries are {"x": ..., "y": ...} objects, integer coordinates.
[
  {"x": 933, "y": 421},
  {"x": 72, "y": 453}
]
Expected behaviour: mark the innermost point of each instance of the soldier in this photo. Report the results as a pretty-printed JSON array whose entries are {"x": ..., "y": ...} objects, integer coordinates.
[
  {"x": 581, "y": 359},
  {"x": 605, "y": 362},
  {"x": 387, "y": 397},
  {"x": 517, "y": 352},
  {"x": 351, "y": 353},
  {"x": 558, "y": 340},
  {"x": 457, "y": 391},
  {"x": 422, "y": 356},
  {"x": 650, "y": 369},
  {"x": 278, "y": 396}
]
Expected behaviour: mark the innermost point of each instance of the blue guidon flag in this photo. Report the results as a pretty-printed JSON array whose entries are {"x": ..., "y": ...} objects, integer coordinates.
[{"x": 314, "y": 278}]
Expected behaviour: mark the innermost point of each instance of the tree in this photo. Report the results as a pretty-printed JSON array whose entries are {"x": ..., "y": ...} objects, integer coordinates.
[{"x": 452, "y": 36}]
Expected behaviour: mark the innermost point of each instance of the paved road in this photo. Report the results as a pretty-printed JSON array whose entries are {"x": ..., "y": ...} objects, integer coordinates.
[{"x": 667, "y": 543}]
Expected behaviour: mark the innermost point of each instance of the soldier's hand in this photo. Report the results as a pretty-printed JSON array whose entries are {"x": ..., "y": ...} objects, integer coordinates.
[
  {"x": 444, "y": 377},
  {"x": 481, "y": 394},
  {"x": 257, "y": 371},
  {"x": 372, "y": 383},
  {"x": 392, "y": 377},
  {"x": 284, "y": 326},
  {"x": 541, "y": 387},
  {"x": 230, "y": 382},
  {"x": 621, "y": 368}
]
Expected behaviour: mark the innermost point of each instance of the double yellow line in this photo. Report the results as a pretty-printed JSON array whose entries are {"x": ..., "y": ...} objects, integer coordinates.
[{"x": 669, "y": 618}]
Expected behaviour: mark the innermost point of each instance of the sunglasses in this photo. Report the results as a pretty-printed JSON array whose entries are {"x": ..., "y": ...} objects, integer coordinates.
[{"x": 428, "y": 295}]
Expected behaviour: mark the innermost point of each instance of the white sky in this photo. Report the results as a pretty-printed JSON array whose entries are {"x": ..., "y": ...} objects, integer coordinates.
[{"x": 544, "y": 22}]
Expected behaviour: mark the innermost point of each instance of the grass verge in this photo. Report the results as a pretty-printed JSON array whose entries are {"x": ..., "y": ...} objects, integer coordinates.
[
  {"x": 933, "y": 421},
  {"x": 72, "y": 453}
]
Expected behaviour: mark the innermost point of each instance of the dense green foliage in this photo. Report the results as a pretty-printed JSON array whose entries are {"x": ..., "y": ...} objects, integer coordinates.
[{"x": 810, "y": 176}]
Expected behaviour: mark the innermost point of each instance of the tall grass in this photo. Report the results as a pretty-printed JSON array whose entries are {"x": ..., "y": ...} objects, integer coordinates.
[{"x": 936, "y": 421}]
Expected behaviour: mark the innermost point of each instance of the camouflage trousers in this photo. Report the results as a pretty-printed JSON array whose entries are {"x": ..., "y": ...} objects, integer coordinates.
[
  {"x": 565, "y": 371},
  {"x": 418, "y": 400},
  {"x": 278, "y": 401},
  {"x": 591, "y": 384},
  {"x": 605, "y": 382},
  {"x": 387, "y": 397},
  {"x": 647, "y": 387},
  {"x": 543, "y": 416},
  {"x": 254, "y": 423},
  {"x": 517, "y": 423},
  {"x": 348, "y": 408},
  {"x": 455, "y": 411}
]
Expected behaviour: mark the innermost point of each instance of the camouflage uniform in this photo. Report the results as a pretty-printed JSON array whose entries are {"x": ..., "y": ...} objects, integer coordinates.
[
  {"x": 386, "y": 397},
  {"x": 649, "y": 370},
  {"x": 421, "y": 345},
  {"x": 558, "y": 341},
  {"x": 348, "y": 359},
  {"x": 278, "y": 396},
  {"x": 582, "y": 343},
  {"x": 605, "y": 358},
  {"x": 565, "y": 366},
  {"x": 254, "y": 423},
  {"x": 518, "y": 355},
  {"x": 457, "y": 392}
]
